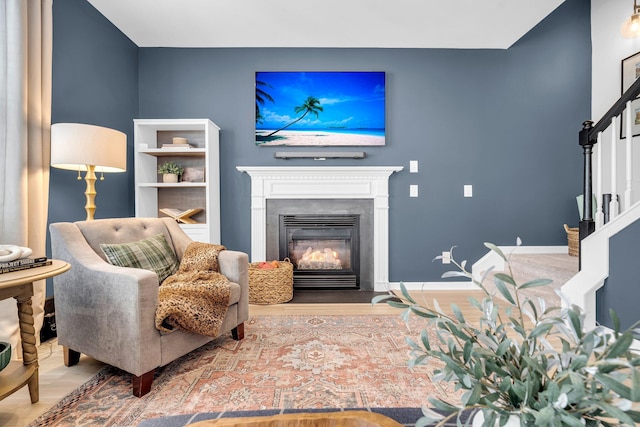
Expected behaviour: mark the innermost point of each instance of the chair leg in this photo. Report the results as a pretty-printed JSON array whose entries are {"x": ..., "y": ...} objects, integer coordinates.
[
  {"x": 71, "y": 357},
  {"x": 142, "y": 384},
  {"x": 238, "y": 332}
]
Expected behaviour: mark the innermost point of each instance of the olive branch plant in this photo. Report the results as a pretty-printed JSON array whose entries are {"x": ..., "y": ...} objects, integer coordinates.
[{"x": 532, "y": 361}]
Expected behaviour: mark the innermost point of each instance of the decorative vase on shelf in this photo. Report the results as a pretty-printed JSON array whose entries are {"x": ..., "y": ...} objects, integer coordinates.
[{"x": 169, "y": 178}]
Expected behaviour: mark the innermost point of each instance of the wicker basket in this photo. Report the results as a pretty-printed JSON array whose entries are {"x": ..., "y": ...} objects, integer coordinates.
[
  {"x": 271, "y": 286},
  {"x": 573, "y": 239}
]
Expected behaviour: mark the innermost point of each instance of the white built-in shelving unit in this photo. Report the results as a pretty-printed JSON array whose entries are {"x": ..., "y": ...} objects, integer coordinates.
[{"x": 201, "y": 154}]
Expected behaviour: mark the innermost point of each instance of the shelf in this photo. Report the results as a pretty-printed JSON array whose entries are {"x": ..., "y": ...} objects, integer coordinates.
[
  {"x": 171, "y": 152},
  {"x": 15, "y": 376},
  {"x": 172, "y": 184},
  {"x": 202, "y": 155}
]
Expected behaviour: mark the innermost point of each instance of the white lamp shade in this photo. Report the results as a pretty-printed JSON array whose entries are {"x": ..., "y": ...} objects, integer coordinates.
[{"x": 75, "y": 145}]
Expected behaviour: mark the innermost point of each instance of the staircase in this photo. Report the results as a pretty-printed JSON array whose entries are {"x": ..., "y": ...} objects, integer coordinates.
[{"x": 614, "y": 182}]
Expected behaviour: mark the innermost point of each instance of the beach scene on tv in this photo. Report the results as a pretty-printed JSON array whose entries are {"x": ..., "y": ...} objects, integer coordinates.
[{"x": 320, "y": 108}]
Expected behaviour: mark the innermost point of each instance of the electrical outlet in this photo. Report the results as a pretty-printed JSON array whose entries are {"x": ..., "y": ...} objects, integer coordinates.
[
  {"x": 413, "y": 190},
  {"x": 413, "y": 166},
  {"x": 446, "y": 257},
  {"x": 468, "y": 191}
]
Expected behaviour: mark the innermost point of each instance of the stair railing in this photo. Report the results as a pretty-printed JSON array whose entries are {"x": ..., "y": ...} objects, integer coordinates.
[{"x": 607, "y": 204}]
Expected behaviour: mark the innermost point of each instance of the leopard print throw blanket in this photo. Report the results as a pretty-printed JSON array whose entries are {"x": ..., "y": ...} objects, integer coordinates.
[{"x": 196, "y": 297}]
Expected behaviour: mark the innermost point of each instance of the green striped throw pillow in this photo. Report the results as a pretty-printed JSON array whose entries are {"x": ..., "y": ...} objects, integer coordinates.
[{"x": 153, "y": 254}]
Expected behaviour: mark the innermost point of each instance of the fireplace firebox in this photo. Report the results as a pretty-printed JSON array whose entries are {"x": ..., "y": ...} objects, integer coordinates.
[{"x": 324, "y": 249}]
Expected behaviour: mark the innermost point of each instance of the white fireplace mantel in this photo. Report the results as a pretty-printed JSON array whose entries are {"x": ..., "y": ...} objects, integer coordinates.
[{"x": 324, "y": 182}]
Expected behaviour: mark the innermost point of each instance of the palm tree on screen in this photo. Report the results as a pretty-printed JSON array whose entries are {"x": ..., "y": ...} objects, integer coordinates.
[
  {"x": 310, "y": 105},
  {"x": 261, "y": 97}
]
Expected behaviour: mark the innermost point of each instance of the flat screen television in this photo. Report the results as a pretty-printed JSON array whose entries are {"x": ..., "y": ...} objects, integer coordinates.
[{"x": 320, "y": 108}]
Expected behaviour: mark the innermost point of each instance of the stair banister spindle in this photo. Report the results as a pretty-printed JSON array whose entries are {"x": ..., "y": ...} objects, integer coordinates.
[
  {"x": 587, "y": 225},
  {"x": 613, "y": 205},
  {"x": 628, "y": 192},
  {"x": 599, "y": 200}
]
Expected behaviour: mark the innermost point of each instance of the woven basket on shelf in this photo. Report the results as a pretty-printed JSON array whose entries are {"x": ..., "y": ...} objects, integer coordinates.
[
  {"x": 271, "y": 286},
  {"x": 573, "y": 239}
]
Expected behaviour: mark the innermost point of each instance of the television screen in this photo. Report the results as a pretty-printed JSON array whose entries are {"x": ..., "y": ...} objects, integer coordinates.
[{"x": 320, "y": 108}]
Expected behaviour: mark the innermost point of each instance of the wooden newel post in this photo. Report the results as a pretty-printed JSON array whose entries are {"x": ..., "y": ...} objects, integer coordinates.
[{"x": 587, "y": 224}]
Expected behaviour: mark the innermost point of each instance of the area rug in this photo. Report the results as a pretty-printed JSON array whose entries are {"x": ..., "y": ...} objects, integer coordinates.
[{"x": 284, "y": 362}]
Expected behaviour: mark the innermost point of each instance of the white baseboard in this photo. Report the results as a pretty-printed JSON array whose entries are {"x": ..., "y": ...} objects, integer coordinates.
[
  {"x": 489, "y": 260},
  {"x": 435, "y": 286}
]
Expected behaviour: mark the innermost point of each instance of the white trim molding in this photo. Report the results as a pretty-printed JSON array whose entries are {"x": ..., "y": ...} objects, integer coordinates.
[{"x": 324, "y": 182}]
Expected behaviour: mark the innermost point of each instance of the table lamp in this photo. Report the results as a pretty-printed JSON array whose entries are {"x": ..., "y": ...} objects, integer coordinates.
[{"x": 88, "y": 148}]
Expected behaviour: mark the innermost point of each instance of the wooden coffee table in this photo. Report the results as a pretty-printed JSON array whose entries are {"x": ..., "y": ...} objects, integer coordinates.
[{"x": 19, "y": 285}]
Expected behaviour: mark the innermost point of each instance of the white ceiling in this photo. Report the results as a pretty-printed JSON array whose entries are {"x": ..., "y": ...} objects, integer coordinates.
[{"x": 470, "y": 24}]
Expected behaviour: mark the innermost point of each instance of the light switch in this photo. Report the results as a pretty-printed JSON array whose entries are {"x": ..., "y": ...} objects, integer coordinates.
[
  {"x": 413, "y": 166},
  {"x": 413, "y": 190},
  {"x": 468, "y": 191}
]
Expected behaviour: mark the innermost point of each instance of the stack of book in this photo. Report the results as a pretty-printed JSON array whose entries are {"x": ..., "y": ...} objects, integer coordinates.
[
  {"x": 179, "y": 143},
  {"x": 23, "y": 264}
]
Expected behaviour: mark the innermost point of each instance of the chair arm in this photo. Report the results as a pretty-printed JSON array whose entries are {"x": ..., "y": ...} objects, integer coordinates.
[
  {"x": 235, "y": 266},
  {"x": 102, "y": 310}
]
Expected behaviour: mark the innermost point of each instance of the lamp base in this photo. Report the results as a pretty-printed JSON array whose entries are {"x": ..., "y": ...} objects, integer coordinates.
[{"x": 90, "y": 192}]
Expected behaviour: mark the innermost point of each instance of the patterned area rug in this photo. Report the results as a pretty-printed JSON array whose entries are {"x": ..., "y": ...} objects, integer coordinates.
[{"x": 284, "y": 362}]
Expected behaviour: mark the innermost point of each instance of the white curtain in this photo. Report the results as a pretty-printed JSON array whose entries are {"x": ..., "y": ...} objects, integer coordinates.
[{"x": 25, "y": 122}]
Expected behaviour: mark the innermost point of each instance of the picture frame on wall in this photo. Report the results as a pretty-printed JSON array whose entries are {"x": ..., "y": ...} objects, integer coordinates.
[{"x": 630, "y": 72}]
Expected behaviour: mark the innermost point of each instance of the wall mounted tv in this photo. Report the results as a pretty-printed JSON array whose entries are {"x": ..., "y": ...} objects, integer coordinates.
[{"x": 320, "y": 108}]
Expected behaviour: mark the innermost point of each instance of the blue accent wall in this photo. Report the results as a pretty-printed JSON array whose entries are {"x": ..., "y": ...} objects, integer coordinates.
[
  {"x": 621, "y": 290},
  {"x": 505, "y": 121},
  {"x": 95, "y": 81}
]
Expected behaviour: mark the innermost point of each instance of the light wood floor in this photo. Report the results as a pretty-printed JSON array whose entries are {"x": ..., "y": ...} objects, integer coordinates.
[{"x": 57, "y": 380}]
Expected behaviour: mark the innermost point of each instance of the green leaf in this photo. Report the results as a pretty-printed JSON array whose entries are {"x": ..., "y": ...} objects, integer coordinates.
[
  {"x": 424, "y": 336},
  {"x": 504, "y": 291},
  {"x": 620, "y": 346},
  {"x": 423, "y": 312},
  {"x": 458, "y": 313},
  {"x": 576, "y": 323},
  {"x": 495, "y": 249},
  {"x": 405, "y": 293},
  {"x": 476, "y": 394},
  {"x": 615, "y": 412},
  {"x": 635, "y": 385},
  {"x": 467, "y": 350},
  {"x": 535, "y": 283},
  {"x": 615, "y": 319},
  {"x": 381, "y": 298},
  {"x": 503, "y": 347},
  {"x": 635, "y": 416},
  {"x": 505, "y": 278},
  {"x": 545, "y": 416},
  {"x": 396, "y": 304},
  {"x": 623, "y": 390},
  {"x": 540, "y": 330},
  {"x": 442, "y": 405},
  {"x": 449, "y": 274},
  {"x": 570, "y": 421}
]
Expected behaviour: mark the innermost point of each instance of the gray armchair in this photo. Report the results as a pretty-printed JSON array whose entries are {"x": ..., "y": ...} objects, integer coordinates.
[{"x": 108, "y": 312}]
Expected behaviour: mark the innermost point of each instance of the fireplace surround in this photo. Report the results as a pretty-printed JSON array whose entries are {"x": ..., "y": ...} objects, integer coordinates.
[{"x": 317, "y": 183}]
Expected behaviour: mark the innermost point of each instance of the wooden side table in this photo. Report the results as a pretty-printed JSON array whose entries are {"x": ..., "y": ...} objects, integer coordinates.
[{"x": 19, "y": 285}]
